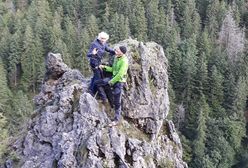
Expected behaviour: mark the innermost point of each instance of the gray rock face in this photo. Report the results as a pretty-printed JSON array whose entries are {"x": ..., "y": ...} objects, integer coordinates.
[
  {"x": 70, "y": 129},
  {"x": 146, "y": 99}
]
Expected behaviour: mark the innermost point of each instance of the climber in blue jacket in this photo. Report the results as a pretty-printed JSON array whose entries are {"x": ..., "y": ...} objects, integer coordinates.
[{"x": 95, "y": 55}]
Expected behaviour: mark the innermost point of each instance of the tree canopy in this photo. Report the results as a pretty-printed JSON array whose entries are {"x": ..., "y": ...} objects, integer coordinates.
[{"x": 204, "y": 41}]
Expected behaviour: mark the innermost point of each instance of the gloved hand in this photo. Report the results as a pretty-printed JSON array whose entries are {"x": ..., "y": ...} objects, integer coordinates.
[{"x": 101, "y": 66}]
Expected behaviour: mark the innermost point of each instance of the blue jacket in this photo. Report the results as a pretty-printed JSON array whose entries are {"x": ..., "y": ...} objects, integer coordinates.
[{"x": 95, "y": 60}]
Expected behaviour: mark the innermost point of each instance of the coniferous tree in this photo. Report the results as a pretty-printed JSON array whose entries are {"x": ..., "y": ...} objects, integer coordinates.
[
  {"x": 4, "y": 106},
  {"x": 236, "y": 13},
  {"x": 202, "y": 39},
  {"x": 22, "y": 109},
  {"x": 4, "y": 45},
  {"x": 223, "y": 140},
  {"x": 219, "y": 150},
  {"x": 40, "y": 10},
  {"x": 160, "y": 38},
  {"x": 118, "y": 31},
  {"x": 43, "y": 11},
  {"x": 243, "y": 12},
  {"x": 105, "y": 24},
  {"x": 45, "y": 34},
  {"x": 231, "y": 38},
  {"x": 62, "y": 49},
  {"x": 4, "y": 91},
  {"x": 113, "y": 6},
  {"x": 11, "y": 22},
  {"x": 204, "y": 53},
  {"x": 72, "y": 41},
  {"x": 59, "y": 45},
  {"x": 215, "y": 92},
  {"x": 84, "y": 64},
  {"x": 174, "y": 56},
  {"x": 21, "y": 4},
  {"x": 215, "y": 14},
  {"x": 186, "y": 144},
  {"x": 175, "y": 67},
  {"x": 138, "y": 21},
  {"x": 190, "y": 23},
  {"x": 152, "y": 15},
  {"x": 200, "y": 77},
  {"x": 101, "y": 6},
  {"x": 70, "y": 8},
  {"x": 114, "y": 28},
  {"x": 86, "y": 10},
  {"x": 124, "y": 7},
  {"x": 32, "y": 14},
  {"x": 240, "y": 99},
  {"x": 32, "y": 61},
  {"x": 173, "y": 113},
  {"x": 179, "y": 7},
  {"x": 236, "y": 132},
  {"x": 3, "y": 136},
  {"x": 221, "y": 12},
  {"x": 172, "y": 31},
  {"x": 188, "y": 67},
  {"x": 204, "y": 44},
  {"x": 229, "y": 88},
  {"x": 3, "y": 9},
  {"x": 19, "y": 22},
  {"x": 14, "y": 68},
  {"x": 124, "y": 28},
  {"x": 199, "y": 147},
  {"x": 201, "y": 5},
  {"x": 39, "y": 17},
  {"x": 166, "y": 4},
  {"x": 92, "y": 27}
]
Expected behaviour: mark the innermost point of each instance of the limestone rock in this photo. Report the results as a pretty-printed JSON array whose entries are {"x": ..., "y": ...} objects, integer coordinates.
[{"x": 70, "y": 128}]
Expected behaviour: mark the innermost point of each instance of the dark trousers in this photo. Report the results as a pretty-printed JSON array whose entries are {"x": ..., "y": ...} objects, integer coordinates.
[
  {"x": 117, "y": 92},
  {"x": 103, "y": 88},
  {"x": 97, "y": 75},
  {"x": 113, "y": 95}
]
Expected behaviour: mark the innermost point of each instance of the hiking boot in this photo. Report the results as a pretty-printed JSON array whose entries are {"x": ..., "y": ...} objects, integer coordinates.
[{"x": 114, "y": 123}]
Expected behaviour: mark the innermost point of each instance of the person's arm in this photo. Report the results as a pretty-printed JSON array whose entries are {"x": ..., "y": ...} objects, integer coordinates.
[
  {"x": 108, "y": 68},
  {"x": 90, "y": 52},
  {"x": 122, "y": 71},
  {"x": 110, "y": 50}
]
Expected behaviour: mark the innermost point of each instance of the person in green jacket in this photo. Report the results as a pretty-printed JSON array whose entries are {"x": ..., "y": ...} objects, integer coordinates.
[{"x": 119, "y": 71}]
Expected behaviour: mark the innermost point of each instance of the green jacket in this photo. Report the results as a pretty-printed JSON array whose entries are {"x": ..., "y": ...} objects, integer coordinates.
[{"x": 119, "y": 69}]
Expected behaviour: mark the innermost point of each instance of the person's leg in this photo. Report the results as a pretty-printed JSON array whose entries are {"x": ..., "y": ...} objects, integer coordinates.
[
  {"x": 97, "y": 76},
  {"x": 91, "y": 87},
  {"x": 109, "y": 95},
  {"x": 100, "y": 84},
  {"x": 118, "y": 87},
  {"x": 101, "y": 93}
]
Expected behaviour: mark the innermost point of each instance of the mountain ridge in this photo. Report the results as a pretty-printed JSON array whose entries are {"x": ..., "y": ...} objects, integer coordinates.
[{"x": 70, "y": 128}]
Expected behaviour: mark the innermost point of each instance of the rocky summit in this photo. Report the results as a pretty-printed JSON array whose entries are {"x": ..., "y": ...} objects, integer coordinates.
[{"x": 70, "y": 127}]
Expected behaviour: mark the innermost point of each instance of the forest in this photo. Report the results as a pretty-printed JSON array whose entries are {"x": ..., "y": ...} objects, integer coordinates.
[{"x": 205, "y": 42}]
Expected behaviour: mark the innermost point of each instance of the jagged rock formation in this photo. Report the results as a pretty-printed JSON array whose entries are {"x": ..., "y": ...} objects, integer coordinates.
[{"x": 70, "y": 128}]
